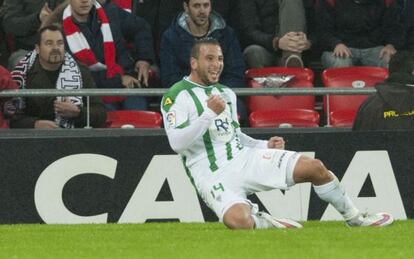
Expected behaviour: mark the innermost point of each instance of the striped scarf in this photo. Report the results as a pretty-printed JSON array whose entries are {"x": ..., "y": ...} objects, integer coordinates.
[
  {"x": 70, "y": 78},
  {"x": 81, "y": 49}
]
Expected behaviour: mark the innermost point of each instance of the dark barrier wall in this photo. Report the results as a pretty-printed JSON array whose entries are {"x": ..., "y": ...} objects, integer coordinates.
[{"x": 95, "y": 176}]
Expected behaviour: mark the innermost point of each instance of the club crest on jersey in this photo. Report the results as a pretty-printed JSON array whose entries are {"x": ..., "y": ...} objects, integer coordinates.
[{"x": 171, "y": 119}]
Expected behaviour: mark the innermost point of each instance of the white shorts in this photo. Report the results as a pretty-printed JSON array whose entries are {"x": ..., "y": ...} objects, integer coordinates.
[{"x": 254, "y": 170}]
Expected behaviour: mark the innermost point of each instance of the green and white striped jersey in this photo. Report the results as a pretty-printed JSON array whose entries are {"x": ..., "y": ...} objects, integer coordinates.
[{"x": 194, "y": 131}]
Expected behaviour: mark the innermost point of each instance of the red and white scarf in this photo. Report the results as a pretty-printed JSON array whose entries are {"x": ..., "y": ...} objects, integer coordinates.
[
  {"x": 81, "y": 49},
  {"x": 124, "y": 4}
]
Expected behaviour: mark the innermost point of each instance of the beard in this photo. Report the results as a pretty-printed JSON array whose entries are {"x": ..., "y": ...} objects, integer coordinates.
[
  {"x": 55, "y": 57},
  {"x": 207, "y": 80}
]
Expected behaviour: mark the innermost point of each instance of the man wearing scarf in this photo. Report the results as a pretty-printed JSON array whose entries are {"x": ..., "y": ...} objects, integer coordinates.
[
  {"x": 94, "y": 36},
  {"x": 48, "y": 67},
  {"x": 392, "y": 107}
]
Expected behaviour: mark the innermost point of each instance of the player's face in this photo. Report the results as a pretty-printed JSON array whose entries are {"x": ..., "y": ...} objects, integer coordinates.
[
  {"x": 198, "y": 11},
  {"x": 51, "y": 48},
  {"x": 209, "y": 65},
  {"x": 81, "y": 9}
]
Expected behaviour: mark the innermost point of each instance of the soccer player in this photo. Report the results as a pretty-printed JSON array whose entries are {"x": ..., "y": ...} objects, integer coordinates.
[{"x": 226, "y": 165}]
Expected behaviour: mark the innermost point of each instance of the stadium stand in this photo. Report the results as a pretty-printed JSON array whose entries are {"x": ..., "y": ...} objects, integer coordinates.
[
  {"x": 272, "y": 111},
  {"x": 341, "y": 109}
]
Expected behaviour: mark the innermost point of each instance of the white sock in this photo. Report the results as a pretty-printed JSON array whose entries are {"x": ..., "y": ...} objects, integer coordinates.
[
  {"x": 333, "y": 193},
  {"x": 260, "y": 222}
]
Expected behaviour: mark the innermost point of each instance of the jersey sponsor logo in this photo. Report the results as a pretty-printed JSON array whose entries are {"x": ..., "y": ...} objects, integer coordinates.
[
  {"x": 222, "y": 129},
  {"x": 171, "y": 119},
  {"x": 168, "y": 101},
  {"x": 222, "y": 124}
]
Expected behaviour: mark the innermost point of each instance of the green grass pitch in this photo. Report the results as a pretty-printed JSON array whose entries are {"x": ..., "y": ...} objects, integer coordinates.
[{"x": 208, "y": 240}]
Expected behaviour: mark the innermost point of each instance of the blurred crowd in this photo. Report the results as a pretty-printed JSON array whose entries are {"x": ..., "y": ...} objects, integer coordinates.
[{"x": 73, "y": 44}]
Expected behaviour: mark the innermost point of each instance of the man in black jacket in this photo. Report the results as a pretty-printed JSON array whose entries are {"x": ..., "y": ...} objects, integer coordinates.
[
  {"x": 49, "y": 67},
  {"x": 358, "y": 32},
  {"x": 22, "y": 19},
  {"x": 272, "y": 32},
  {"x": 392, "y": 107}
]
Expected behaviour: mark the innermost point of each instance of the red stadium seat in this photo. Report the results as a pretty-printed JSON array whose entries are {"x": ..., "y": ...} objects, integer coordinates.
[
  {"x": 3, "y": 123},
  {"x": 271, "y": 111},
  {"x": 139, "y": 119},
  {"x": 276, "y": 118},
  {"x": 343, "y": 108}
]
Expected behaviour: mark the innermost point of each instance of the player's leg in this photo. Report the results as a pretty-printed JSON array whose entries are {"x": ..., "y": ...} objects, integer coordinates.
[
  {"x": 325, "y": 184},
  {"x": 238, "y": 216},
  {"x": 242, "y": 216},
  {"x": 260, "y": 172},
  {"x": 229, "y": 203},
  {"x": 328, "y": 188}
]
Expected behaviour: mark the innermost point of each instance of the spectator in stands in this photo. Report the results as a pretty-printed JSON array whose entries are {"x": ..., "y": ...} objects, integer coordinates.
[
  {"x": 48, "y": 67},
  {"x": 22, "y": 19},
  {"x": 161, "y": 13},
  {"x": 6, "y": 83},
  {"x": 273, "y": 32},
  {"x": 392, "y": 106},
  {"x": 358, "y": 32},
  {"x": 135, "y": 30},
  {"x": 169, "y": 9},
  {"x": 94, "y": 35},
  {"x": 196, "y": 22},
  {"x": 408, "y": 22}
]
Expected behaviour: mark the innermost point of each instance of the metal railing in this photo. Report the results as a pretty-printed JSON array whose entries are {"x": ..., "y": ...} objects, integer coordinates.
[{"x": 160, "y": 92}]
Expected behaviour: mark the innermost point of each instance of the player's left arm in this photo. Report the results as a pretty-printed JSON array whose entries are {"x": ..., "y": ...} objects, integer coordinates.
[
  {"x": 276, "y": 142},
  {"x": 245, "y": 139}
]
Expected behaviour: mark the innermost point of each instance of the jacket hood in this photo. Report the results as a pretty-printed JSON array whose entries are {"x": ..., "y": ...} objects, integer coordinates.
[
  {"x": 398, "y": 92},
  {"x": 216, "y": 22}
]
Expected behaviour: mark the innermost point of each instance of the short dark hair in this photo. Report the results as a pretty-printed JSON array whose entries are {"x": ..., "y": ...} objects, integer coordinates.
[
  {"x": 402, "y": 62},
  {"x": 51, "y": 27},
  {"x": 188, "y": 1},
  {"x": 195, "y": 50}
]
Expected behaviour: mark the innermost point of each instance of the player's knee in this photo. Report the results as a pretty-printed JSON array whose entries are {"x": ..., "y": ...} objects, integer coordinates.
[
  {"x": 238, "y": 217},
  {"x": 320, "y": 173}
]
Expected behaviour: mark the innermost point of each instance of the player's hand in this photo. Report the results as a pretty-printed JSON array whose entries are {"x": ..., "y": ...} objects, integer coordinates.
[
  {"x": 45, "y": 124},
  {"x": 216, "y": 104},
  {"x": 341, "y": 51},
  {"x": 66, "y": 109},
  {"x": 276, "y": 142},
  {"x": 142, "y": 67},
  {"x": 129, "y": 81}
]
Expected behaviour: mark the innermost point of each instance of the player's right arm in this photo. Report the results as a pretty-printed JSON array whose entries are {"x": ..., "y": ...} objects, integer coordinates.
[{"x": 181, "y": 130}]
